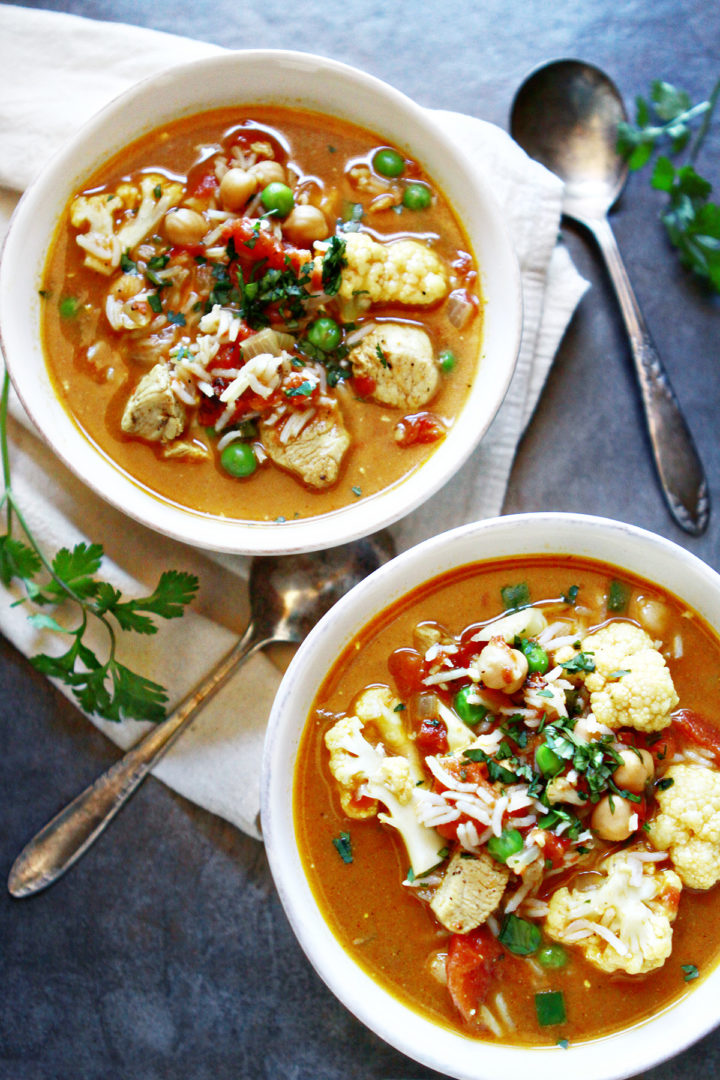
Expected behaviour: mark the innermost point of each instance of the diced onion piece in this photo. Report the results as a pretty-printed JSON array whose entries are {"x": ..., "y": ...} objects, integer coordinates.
[
  {"x": 460, "y": 309},
  {"x": 266, "y": 341}
]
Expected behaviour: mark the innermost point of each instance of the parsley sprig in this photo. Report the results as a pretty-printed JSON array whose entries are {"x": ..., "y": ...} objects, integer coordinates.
[
  {"x": 103, "y": 687},
  {"x": 691, "y": 220}
]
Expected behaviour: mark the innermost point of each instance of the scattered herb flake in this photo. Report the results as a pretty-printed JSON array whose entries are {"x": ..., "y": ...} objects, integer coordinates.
[
  {"x": 550, "y": 1007},
  {"x": 570, "y": 597},
  {"x": 343, "y": 846},
  {"x": 515, "y": 596},
  {"x": 618, "y": 597},
  {"x": 690, "y": 972}
]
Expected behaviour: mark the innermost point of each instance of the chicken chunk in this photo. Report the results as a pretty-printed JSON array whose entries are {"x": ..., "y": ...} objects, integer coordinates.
[
  {"x": 399, "y": 359},
  {"x": 316, "y": 453},
  {"x": 470, "y": 891},
  {"x": 153, "y": 412}
]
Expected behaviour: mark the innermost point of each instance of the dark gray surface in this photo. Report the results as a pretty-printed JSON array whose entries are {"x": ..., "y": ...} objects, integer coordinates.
[{"x": 165, "y": 953}]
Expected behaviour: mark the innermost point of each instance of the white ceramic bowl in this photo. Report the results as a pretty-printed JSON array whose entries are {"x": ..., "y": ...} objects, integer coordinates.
[
  {"x": 244, "y": 78},
  {"x": 621, "y": 1055}
]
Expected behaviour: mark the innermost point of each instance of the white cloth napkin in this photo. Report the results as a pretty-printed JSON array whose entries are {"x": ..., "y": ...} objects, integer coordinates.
[{"x": 56, "y": 70}]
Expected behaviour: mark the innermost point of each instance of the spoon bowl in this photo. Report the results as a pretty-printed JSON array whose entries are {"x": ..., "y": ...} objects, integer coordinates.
[
  {"x": 287, "y": 597},
  {"x": 566, "y": 115}
]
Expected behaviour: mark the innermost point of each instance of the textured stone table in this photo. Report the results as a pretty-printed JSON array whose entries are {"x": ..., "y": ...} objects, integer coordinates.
[{"x": 165, "y": 953}]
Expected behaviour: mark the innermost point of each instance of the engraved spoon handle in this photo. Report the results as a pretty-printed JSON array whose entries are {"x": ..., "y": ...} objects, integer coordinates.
[
  {"x": 73, "y": 830},
  {"x": 681, "y": 473}
]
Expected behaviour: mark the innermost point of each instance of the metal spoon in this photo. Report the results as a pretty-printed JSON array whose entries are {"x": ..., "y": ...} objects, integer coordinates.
[
  {"x": 288, "y": 596},
  {"x": 566, "y": 115}
]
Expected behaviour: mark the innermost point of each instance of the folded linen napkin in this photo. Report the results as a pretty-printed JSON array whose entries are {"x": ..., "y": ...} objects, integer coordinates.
[{"x": 55, "y": 71}]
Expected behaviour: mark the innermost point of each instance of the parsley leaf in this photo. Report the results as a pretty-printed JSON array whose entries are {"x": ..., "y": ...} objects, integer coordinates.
[
  {"x": 104, "y": 687},
  {"x": 691, "y": 221}
]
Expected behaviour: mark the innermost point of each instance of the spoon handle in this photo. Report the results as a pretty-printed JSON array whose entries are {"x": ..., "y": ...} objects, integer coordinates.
[
  {"x": 678, "y": 464},
  {"x": 73, "y": 830}
]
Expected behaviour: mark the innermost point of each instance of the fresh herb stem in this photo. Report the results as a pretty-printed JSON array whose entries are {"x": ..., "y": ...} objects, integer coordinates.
[
  {"x": 706, "y": 121},
  {"x": 106, "y": 688}
]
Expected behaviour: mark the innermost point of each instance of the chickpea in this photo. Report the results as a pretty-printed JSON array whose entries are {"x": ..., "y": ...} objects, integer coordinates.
[
  {"x": 236, "y": 187},
  {"x": 185, "y": 226},
  {"x": 305, "y": 224},
  {"x": 611, "y": 821},
  {"x": 502, "y": 668},
  {"x": 268, "y": 172},
  {"x": 635, "y": 770}
]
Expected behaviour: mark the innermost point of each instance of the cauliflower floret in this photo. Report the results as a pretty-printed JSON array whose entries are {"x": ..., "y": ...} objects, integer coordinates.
[
  {"x": 631, "y": 685},
  {"x": 403, "y": 272},
  {"x": 378, "y": 706},
  {"x": 365, "y": 770},
  {"x": 624, "y": 922},
  {"x": 688, "y": 825},
  {"x": 104, "y": 242}
]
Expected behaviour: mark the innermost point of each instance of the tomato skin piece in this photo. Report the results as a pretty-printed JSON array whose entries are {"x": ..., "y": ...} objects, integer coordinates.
[
  {"x": 422, "y": 427},
  {"x": 408, "y": 669},
  {"x": 694, "y": 728},
  {"x": 469, "y": 968}
]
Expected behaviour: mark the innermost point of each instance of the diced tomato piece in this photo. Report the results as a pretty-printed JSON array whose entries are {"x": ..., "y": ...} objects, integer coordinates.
[
  {"x": 422, "y": 427},
  {"x": 470, "y": 966},
  {"x": 253, "y": 244},
  {"x": 432, "y": 737},
  {"x": 554, "y": 849},
  {"x": 202, "y": 183},
  {"x": 408, "y": 669},
  {"x": 692, "y": 727},
  {"x": 363, "y": 385}
]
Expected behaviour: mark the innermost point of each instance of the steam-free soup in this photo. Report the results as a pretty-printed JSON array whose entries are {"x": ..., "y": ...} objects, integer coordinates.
[
  {"x": 507, "y": 800},
  {"x": 262, "y": 313}
]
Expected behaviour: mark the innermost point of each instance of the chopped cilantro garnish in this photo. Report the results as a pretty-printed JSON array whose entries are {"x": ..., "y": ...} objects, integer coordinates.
[
  {"x": 550, "y": 1007},
  {"x": 333, "y": 263},
  {"x": 618, "y": 596},
  {"x": 155, "y": 302},
  {"x": 157, "y": 191},
  {"x": 563, "y": 1044},
  {"x": 690, "y": 972},
  {"x": 176, "y": 318},
  {"x": 665, "y": 783},
  {"x": 305, "y": 389},
  {"x": 127, "y": 265},
  {"x": 381, "y": 356},
  {"x": 356, "y": 490},
  {"x": 571, "y": 595},
  {"x": 515, "y": 596},
  {"x": 400, "y": 707},
  {"x": 581, "y": 662},
  {"x": 343, "y": 846}
]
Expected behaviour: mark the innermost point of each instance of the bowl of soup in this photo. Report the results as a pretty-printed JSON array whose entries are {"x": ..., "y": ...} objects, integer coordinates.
[
  {"x": 261, "y": 303},
  {"x": 491, "y": 799}
]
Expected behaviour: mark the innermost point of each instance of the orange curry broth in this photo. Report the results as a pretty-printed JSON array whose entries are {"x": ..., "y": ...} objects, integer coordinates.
[
  {"x": 320, "y": 146},
  {"x": 392, "y": 934}
]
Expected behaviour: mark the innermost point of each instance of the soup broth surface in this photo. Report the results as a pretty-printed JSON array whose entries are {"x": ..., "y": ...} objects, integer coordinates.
[{"x": 503, "y": 975}]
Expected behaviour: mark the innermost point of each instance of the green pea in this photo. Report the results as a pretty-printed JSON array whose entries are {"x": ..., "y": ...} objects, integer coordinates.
[
  {"x": 69, "y": 307},
  {"x": 388, "y": 162},
  {"x": 538, "y": 660},
  {"x": 447, "y": 360},
  {"x": 508, "y": 843},
  {"x": 238, "y": 459},
  {"x": 417, "y": 196},
  {"x": 278, "y": 197},
  {"x": 548, "y": 761},
  {"x": 324, "y": 334},
  {"x": 469, "y": 711},
  {"x": 552, "y": 956}
]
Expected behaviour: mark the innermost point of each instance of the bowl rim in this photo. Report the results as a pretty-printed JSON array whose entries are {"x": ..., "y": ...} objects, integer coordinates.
[
  {"x": 91, "y": 145},
  {"x": 611, "y": 1057}
]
